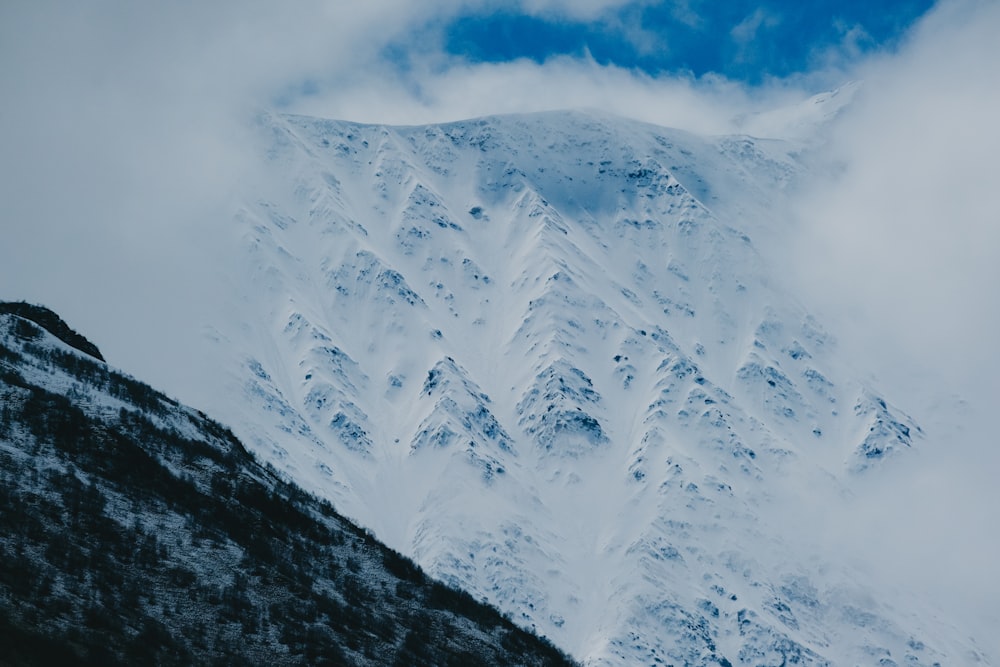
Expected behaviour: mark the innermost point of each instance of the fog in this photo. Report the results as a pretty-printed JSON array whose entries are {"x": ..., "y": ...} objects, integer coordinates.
[{"x": 898, "y": 248}]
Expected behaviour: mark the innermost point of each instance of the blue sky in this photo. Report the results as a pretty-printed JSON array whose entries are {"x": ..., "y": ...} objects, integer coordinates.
[
  {"x": 741, "y": 40},
  {"x": 427, "y": 62}
]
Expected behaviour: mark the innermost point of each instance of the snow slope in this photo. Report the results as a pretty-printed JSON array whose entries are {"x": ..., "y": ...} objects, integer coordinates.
[{"x": 541, "y": 355}]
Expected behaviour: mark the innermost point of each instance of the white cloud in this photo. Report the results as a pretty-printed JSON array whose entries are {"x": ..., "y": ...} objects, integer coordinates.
[
  {"x": 122, "y": 137},
  {"x": 905, "y": 226},
  {"x": 747, "y": 34},
  {"x": 746, "y": 30},
  {"x": 461, "y": 90},
  {"x": 901, "y": 250},
  {"x": 580, "y": 10}
]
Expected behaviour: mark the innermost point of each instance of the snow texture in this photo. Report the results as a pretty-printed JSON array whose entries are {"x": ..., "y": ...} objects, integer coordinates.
[{"x": 542, "y": 355}]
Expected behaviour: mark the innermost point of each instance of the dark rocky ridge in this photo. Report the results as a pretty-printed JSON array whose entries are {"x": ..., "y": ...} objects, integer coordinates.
[
  {"x": 134, "y": 530},
  {"x": 52, "y": 323}
]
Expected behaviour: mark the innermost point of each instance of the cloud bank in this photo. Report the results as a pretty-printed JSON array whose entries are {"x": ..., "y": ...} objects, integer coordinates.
[
  {"x": 907, "y": 202},
  {"x": 899, "y": 245}
]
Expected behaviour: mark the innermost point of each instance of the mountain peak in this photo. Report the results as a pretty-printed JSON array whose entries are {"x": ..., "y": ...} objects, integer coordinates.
[{"x": 52, "y": 323}]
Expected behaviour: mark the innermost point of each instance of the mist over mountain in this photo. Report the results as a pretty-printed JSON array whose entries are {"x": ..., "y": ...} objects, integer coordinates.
[{"x": 542, "y": 355}]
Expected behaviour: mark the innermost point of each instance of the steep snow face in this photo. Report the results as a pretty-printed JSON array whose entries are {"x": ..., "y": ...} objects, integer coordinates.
[{"x": 542, "y": 355}]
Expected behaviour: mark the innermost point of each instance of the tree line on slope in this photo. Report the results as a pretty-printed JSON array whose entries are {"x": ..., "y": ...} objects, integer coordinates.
[{"x": 151, "y": 536}]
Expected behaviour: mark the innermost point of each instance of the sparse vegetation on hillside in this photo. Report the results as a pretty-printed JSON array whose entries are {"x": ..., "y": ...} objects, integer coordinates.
[{"x": 136, "y": 531}]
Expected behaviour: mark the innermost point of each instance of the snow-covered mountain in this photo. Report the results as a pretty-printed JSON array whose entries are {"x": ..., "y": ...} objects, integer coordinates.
[{"x": 542, "y": 355}]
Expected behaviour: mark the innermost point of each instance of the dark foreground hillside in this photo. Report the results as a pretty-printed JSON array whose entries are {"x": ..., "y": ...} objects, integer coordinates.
[{"x": 134, "y": 530}]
